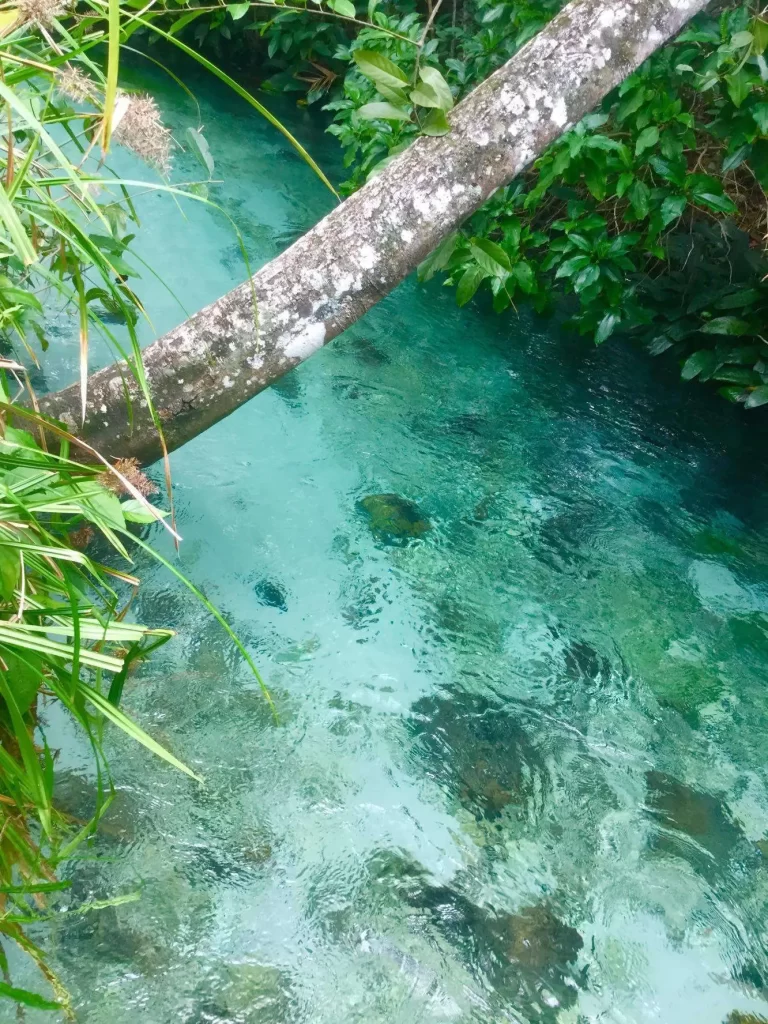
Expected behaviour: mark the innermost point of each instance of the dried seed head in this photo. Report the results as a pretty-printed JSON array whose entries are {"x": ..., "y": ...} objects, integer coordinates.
[
  {"x": 81, "y": 538},
  {"x": 129, "y": 468},
  {"x": 74, "y": 84},
  {"x": 42, "y": 11},
  {"x": 138, "y": 127}
]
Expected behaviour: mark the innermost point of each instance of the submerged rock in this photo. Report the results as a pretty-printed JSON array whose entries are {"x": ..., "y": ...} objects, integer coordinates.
[
  {"x": 480, "y": 752},
  {"x": 76, "y": 796},
  {"x": 536, "y": 938},
  {"x": 256, "y": 994},
  {"x": 394, "y": 520},
  {"x": 527, "y": 957},
  {"x": 271, "y": 594},
  {"x": 737, "y": 1017},
  {"x": 367, "y": 353},
  {"x": 700, "y": 816}
]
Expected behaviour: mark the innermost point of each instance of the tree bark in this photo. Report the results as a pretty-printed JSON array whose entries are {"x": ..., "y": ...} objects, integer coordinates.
[{"x": 208, "y": 366}]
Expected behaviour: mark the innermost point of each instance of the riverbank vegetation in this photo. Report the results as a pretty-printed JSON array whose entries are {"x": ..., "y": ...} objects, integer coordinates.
[{"x": 648, "y": 217}]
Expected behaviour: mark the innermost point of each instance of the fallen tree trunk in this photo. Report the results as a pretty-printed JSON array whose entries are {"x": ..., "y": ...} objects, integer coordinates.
[{"x": 208, "y": 366}]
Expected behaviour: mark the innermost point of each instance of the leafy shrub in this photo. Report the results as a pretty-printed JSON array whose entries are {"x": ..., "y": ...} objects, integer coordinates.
[{"x": 657, "y": 191}]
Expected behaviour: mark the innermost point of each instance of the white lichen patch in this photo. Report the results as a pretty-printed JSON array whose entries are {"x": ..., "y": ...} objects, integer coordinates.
[
  {"x": 300, "y": 345},
  {"x": 559, "y": 113},
  {"x": 367, "y": 257}
]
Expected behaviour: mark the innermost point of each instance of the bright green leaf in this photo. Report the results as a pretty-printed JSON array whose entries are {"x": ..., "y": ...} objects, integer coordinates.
[
  {"x": 490, "y": 257},
  {"x": 438, "y": 260},
  {"x": 468, "y": 285},
  {"x": 640, "y": 198},
  {"x": 383, "y": 112},
  {"x": 432, "y": 78},
  {"x": 522, "y": 273},
  {"x": 26, "y": 998},
  {"x": 739, "y": 86},
  {"x": 343, "y": 7},
  {"x": 238, "y": 11},
  {"x": 726, "y": 325},
  {"x": 425, "y": 96},
  {"x": 647, "y": 139},
  {"x": 704, "y": 359},
  {"x": 379, "y": 68},
  {"x": 672, "y": 209},
  {"x": 606, "y": 327},
  {"x": 436, "y": 123},
  {"x": 586, "y": 277},
  {"x": 199, "y": 145},
  {"x": 757, "y": 397}
]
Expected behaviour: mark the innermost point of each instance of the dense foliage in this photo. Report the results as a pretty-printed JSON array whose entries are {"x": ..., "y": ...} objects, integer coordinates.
[
  {"x": 649, "y": 215},
  {"x": 66, "y": 226}
]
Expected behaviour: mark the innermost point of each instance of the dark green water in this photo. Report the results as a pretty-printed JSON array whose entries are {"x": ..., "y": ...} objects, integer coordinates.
[{"x": 519, "y": 773}]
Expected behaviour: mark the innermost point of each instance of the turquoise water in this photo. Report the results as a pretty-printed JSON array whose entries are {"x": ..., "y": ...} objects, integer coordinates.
[{"x": 519, "y": 769}]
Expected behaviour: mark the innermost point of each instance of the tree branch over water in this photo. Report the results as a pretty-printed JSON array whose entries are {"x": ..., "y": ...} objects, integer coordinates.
[{"x": 224, "y": 355}]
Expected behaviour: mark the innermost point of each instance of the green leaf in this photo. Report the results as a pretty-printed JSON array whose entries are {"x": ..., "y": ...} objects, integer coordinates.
[
  {"x": 737, "y": 375},
  {"x": 569, "y": 267},
  {"x": 383, "y": 112},
  {"x": 343, "y": 7},
  {"x": 379, "y": 68},
  {"x": 523, "y": 274},
  {"x": 21, "y": 995},
  {"x": 739, "y": 299},
  {"x": 586, "y": 277},
  {"x": 468, "y": 285},
  {"x": 238, "y": 11},
  {"x": 703, "y": 360},
  {"x": 631, "y": 102},
  {"x": 436, "y": 123},
  {"x": 625, "y": 180},
  {"x": 640, "y": 198},
  {"x": 759, "y": 35},
  {"x": 736, "y": 158},
  {"x": 726, "y": 325},
  {"x": 425, "y": 96},
  {"x": 10, "y": 571},
  {"x": 739, "y": 86},
  {"x": 135, "y": 512},
  {"x": 606, "y": 327},
  {"x": 438, "y": 260},
  {"x": 757, "y": 397},
  {"x": 741, "y": 39},
  {"x": 722, "y": 204},
  {"x": 22, "y": 246},
  {"x": 672, "y": 209},
  {"x": 104, "y": 507},
  {"x": 760, "y": 113},
  {"x": 199, "y": 146},
  {"x": 435, "y": 81},
  {"x": 647, "y": 139},
  {"x": 490, "y": 257}
]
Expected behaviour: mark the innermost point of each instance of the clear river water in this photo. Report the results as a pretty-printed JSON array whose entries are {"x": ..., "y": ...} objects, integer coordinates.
[{"x": 510, "y": 596}]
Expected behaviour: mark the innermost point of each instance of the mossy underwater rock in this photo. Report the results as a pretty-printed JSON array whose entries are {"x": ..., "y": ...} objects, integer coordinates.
[
  {"x": 702, "y": 817},
  {"x": 394, "y": 520}
]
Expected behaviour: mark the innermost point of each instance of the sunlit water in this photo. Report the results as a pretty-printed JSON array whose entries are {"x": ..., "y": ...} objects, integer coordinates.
[{"x": 519, "y": 769}]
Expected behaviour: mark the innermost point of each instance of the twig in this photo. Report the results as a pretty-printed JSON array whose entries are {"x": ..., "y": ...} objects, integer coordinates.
[{"x": 423, "y": 39}]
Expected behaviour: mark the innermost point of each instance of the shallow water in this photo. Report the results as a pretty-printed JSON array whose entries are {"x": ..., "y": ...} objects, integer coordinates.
[{"x": 519, "y": 769}]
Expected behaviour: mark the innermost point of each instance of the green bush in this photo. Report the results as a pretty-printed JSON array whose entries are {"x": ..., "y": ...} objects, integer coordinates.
[{"x": 649, "y": 216}]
